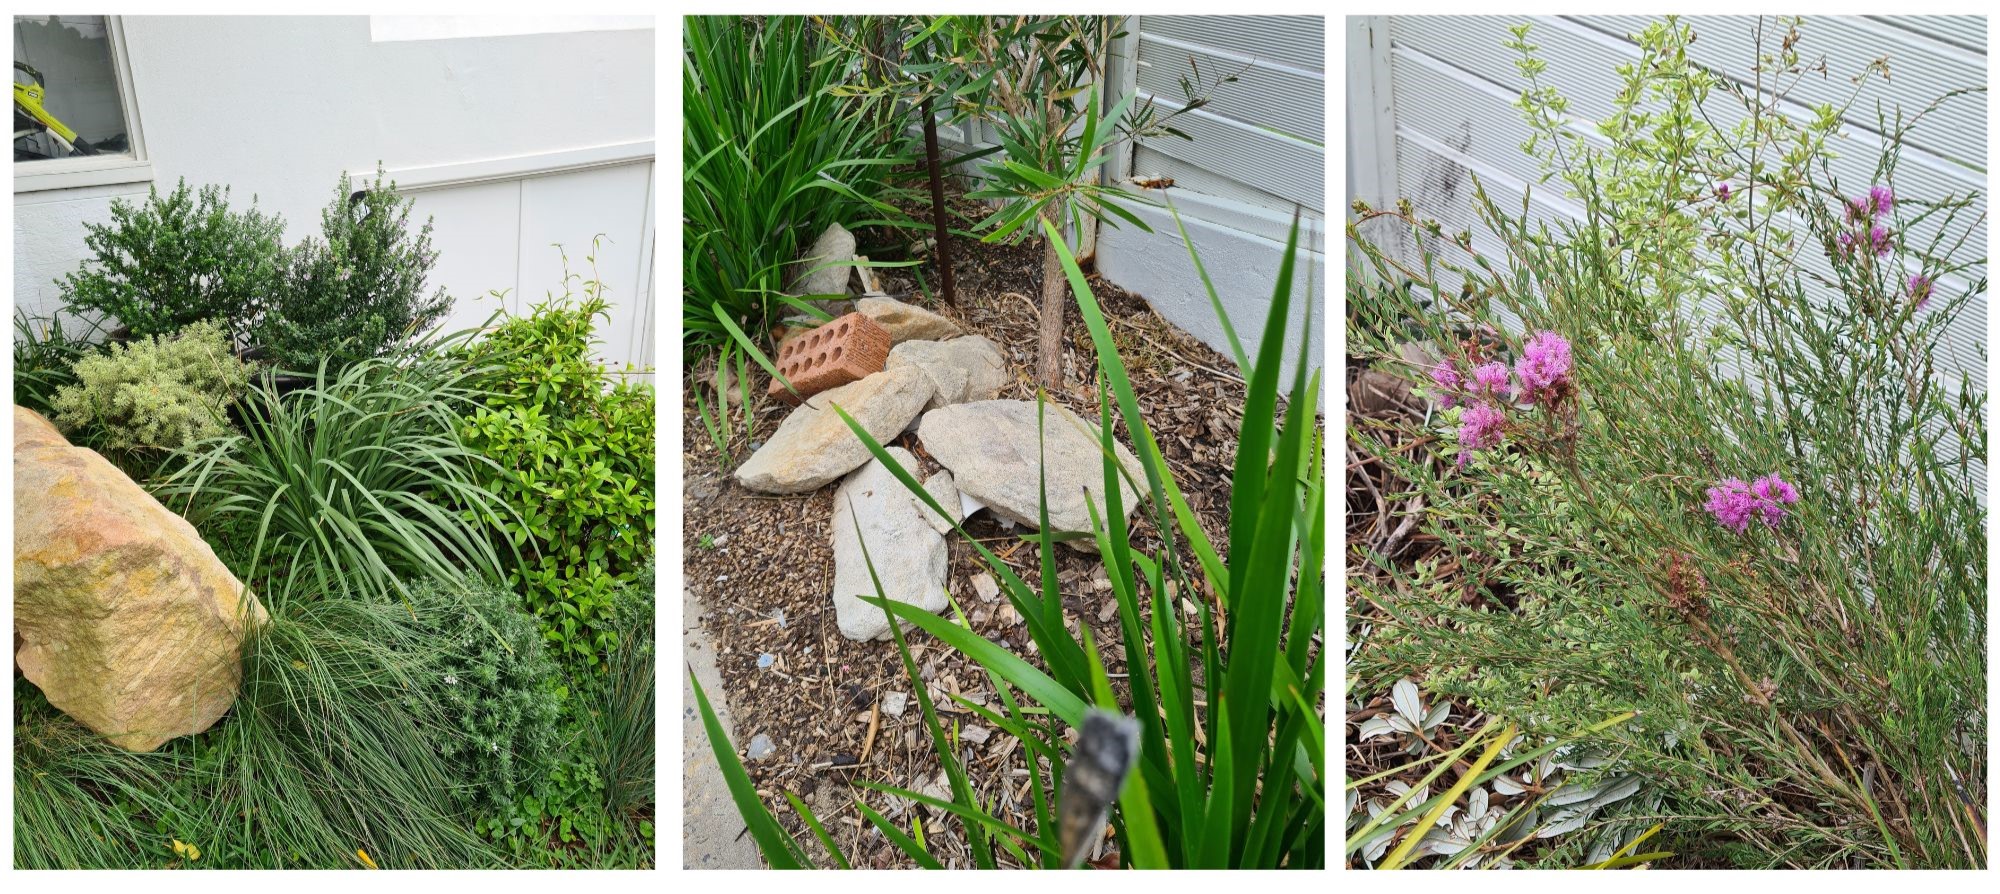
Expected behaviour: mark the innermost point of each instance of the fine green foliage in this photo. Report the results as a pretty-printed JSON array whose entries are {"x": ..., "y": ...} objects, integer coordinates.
[
  {"x": 1231, "y": 770},
  {"x": 159, "y": 393},
  {"x": 492, "y": 685},
  {"x": 350, "y": 486},
  {"x": 622, "y": 736},
  {"x": 325, "y": 754},
  {"x": 569, "y": 447},
  {"x": 358, "y": 291},
  {"x": 772, "y": 153},
  {"x": 178, "y": 260},
  {"x": 1808, "y": 692}
]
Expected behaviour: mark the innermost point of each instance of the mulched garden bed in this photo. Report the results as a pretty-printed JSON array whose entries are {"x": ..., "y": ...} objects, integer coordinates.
[{"x": 762, "y": 568}]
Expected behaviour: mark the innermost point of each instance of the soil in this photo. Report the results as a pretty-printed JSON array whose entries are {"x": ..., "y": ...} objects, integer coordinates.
[{"x": 762, "y": 568}]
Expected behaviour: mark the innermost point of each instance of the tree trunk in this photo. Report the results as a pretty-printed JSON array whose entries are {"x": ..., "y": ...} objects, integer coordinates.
[
  {"x": 1055, "y": 295},
  {"x": 947, "y": 287}
]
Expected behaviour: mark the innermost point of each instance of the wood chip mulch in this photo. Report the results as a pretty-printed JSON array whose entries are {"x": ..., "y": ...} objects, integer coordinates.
[{"x": 762, "y": 567}]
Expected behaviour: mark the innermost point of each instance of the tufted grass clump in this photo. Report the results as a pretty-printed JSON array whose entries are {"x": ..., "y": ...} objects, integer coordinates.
[{"x": 1755, "y": 524}]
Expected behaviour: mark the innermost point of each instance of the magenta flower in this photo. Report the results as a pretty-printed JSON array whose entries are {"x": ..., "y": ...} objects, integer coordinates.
[
  {"x": 1722, "y": 191},
  {"x": 1920, "y": 290},
  {"x": 1448, "y": 383},
  {"x": 1880, "y": 238},
  {"x": 1479, "y": 427},
  {"x": 1858, "y": 210},
  {"x": 1845, "y": 242},
  {"x": 1492, "y": 378},
  {"x": 1545, "y": 361},
  {"x": 1773, "y": 495},
  {"x": 1883, "y": 198},
  {"x": 1734, "y": 503}
]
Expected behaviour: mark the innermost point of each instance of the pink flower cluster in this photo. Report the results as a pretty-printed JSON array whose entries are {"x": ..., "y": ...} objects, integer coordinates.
[
  {"x": 1734, "y": 503},
  {"x": 1542, "y": 371},
  {"x": 1862, "y": 211},
  {"x": 1920, "y": 290}
]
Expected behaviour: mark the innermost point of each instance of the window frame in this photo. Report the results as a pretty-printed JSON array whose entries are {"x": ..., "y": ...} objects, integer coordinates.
[{"x": 84, "y": 171}]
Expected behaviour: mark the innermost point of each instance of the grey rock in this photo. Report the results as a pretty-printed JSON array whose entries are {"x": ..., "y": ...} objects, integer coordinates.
[
  {"x": 905, "y": 322},
  {"x": 984, "y": 585},
  {"x": 893, "y": 703},
  {"x": 992, "y": 451},
  {"x": 814, "y": 446},
  {"x": 975, "y": 734},
  {"x": 760, "y": 747},
  {"x": 945, "y": 493},
  {"x": 908, "y": 556},
  {"x": 834, "y": 244},
  {"x": 967, "y": 368}
]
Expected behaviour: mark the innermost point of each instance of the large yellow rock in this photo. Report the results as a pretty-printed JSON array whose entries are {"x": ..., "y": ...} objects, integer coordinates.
[{"x": 122, "y": 614}]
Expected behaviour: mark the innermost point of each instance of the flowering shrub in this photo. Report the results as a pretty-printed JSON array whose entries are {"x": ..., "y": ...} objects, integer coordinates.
[{"x": 1595, "y": 553}]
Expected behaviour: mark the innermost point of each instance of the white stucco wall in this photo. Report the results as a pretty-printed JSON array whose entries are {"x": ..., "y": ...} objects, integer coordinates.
[{"x": 277, "y": 107}]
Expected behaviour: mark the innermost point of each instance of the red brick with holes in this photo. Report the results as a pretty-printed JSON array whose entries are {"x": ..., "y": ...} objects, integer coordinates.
[{"x": 845, "y": 350}]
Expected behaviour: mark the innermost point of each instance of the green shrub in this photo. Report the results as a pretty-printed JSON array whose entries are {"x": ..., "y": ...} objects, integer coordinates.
[
  {"x": 773, "y": 152},
  {"x": 161, "y": 392},
  {"x": 358, "y": 292},
  {"x": 349, "y": 487},
  {"x": 1806, "y": 687},
  {"x": 571, "y": 451},
  {"x": 175, "y": 261},
  {"x": 493, "y": 685}
]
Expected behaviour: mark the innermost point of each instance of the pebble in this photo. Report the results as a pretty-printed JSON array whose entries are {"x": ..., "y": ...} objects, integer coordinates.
[
  {"x": 766, "y": 660},
  {"x": 893, "y": 703},
  {"x": 721, "y": 540},
  {"x": 761, "y": 747},
  {"x": 779, "y": 616},
  {"x": 984, "y": 585},
  {"x": 975, "y": 734},
  {"x": 1109, "y": 611}
]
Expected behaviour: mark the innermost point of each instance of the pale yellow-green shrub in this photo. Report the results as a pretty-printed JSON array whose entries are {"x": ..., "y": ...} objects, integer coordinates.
[{"x": 159, "y": 392}]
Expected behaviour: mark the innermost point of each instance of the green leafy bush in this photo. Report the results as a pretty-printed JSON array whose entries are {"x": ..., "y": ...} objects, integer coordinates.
[
  {"x": 570, "y": 449},
  {"x": 161, "y": 392},
  {"x": 358, "y": 292},
  {"x": 1771, "y": 642},
  {"x": 350, "y": 486},
  {"x": 179, "y": 260},
  {"x": 493, "y": 683}
]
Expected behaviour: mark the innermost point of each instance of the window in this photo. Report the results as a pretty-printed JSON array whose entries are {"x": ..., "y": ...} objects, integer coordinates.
[{"x": 74, "y": 122}]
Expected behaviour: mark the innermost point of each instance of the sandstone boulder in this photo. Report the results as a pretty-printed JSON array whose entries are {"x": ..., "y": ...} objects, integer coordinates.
[
  {"x": 124, "y": 617},
  {"x": 814, "y": 446},
  {"x": 992, "y": 452},
  {"x": 968, "y": 368},
  {"x": 908, "y": 555},
  {"x": 812, "y": 276},
  {"x": 906, "y": 322}
]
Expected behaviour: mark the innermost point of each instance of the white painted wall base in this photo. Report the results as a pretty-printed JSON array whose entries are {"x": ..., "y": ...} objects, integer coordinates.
[{"x": 1243, "y": 266}]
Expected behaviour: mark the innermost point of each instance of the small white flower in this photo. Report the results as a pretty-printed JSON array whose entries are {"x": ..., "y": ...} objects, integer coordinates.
[{"x": 451, "y": 679}]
